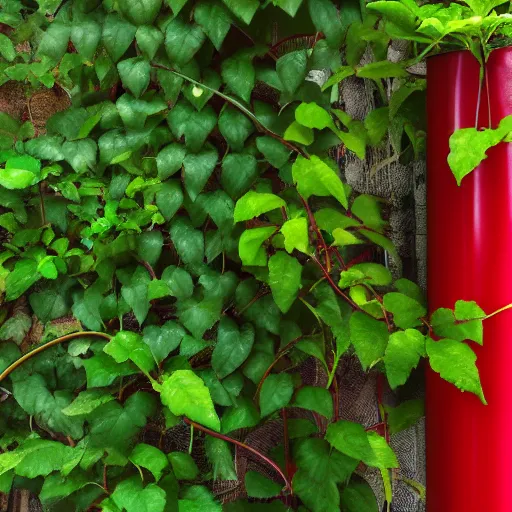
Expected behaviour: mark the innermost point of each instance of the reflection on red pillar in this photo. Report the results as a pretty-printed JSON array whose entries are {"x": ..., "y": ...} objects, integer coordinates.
[{"x": 469, "y": 445}]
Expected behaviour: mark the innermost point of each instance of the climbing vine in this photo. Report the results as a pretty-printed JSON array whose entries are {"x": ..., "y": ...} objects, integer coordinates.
[{"x": 178, "y": 247}]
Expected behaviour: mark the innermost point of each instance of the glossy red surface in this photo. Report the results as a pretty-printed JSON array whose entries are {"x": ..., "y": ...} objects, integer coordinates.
[{"x": 469, "y": 445}]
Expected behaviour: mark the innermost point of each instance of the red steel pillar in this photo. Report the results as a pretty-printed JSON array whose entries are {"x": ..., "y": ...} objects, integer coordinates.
[{"x": 469, "y": 445}]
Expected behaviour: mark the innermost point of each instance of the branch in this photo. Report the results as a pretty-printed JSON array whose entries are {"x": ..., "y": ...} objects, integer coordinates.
[
  {"x": 261, "y": 127},
  {"x": 52, "y": 343},
  {"x": 260, "y": 455},
  {"x": 317, "y": 231}
]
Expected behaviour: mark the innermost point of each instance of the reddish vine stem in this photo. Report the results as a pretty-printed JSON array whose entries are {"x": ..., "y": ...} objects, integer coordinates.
[
  {"x": 318, "y": 233},
  {"x": 260, "y": 455},
  {"x": 340, "y": 259}
]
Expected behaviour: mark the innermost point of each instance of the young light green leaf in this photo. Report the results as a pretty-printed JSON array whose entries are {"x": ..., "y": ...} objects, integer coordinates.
[
  {"x": 151, "y": 458},
  {"x": 296, "y": 235},
  {"x": 183, "y": 466},
  {"x": 186, "y": 395},
  {"x": 313, "y": 116},
  {"x": 463, "y": 162},
  {"x": 86, "y": 402},
  {"x": 299, "y": 133},
  {"x": 250, "y": 247},
  {"x": 253, "y": 204},
  {"x": 369, "y": 337},
  {"x": 404, "y": 350},
  {"x": 406, "y": 311},
  {"x": 314, "y": 177},
  {"x": 455, "y": 362},
  {"x": 127, "y": 345}
]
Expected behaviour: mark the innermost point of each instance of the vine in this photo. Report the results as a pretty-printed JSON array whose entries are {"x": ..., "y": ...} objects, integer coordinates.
[{"x": 178, "y": 246}]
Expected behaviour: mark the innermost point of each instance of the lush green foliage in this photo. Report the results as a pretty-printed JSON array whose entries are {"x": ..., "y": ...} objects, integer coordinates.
[{"x": 185, "y": 246}]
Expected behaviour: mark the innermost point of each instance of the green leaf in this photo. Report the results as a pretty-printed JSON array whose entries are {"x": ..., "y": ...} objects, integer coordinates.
[
  {"x": 404, "y": 415},
  {"x": 56, "y": 487},
  {"x": 183, "y": 40},
  {"x": 314, "y": 177},
  {"x": 126, "y": 345},
  {"x": 149, "y": 246},
  {"x": 352, "y": 440},
  {"x": 243, "y": 9},
  {"x": 243, "y": 414},
  {"x": 198, "y": 169},
  {"x": 369, "y": 337},
  {"x": 239, "y": 172},
  {"x": 284, "y": 279},
  {"x": 183, "y": 466},
  {"x": 292, "y": 69},
  {"x": 19, "y": 280},
  {"x": 140, "y": 12},
  {"x": 214, "y": 19},
  {"x": 185, "y": 394},
  {"x": 403, "y": 353},
  {"x": 162, "y": 340},
  {"x": 235, "y": 127},
  {"x": 406, "y": 311},
  {"x": 296, "y": 235},
  {"x": 102, "y": 370},
  {"x": 170, "y": 160},
  {"x": 325, "y": 17},
  {"x": 313, "y": 116},
  {"x": 86, "y": 402},
  {"x": 54, "y": 42},
  {"x": 115, "y": 426},
  {"x": 135, "y": 74},
  {"x": 381, "y": 241},
  {"x": 276, "y": 393},
  {"x": 149, "y": 39},
  {"x": 130, "y": 495},
  {"x": 232, "y": 348},
  {"x": 20, "y": 172},
  {"x": 151, "y": 458},
  {"x": 250, "y": 247},
  {"x": 259, "y": 486},
  {"x": 289, "y": 6},
  {"x": 179, "y": 282},
  {"x": 367, "y": 208},
  {"x": 219, "y": 454},
  {"x": 445, "y": 323},
  {"x": 397, "y": 13},
  {"x": 16, "y": 328},
  {"x": 253, "y": 204},
  {"x": 274, "y": 151},
  {"x": 189, "y": 242},
  {"x": 381, "y": 70},
  {"x": 238, "y": 73},
  {"x": 339, "y": 76},
  {"x": 136, "y": 293},
  {"x": 34, "y": 397},
  {"x": 373, "y": 274},
  {"x": 320, "y": 469},
  {"x": 169, "y": 198},
  {"x": 7, "y": 50},
  {"x": 117, "y": 35},
  {"x": 359, "y": 497},
  {"x": 198, "y": 499},
  {"x": 314, "y": 399},
  {"x": 176, "y": 5},
  {"x": 455, "y": 362},
  {"x": 298, "y": 133},
  {"x": 198, "y": 127}
]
